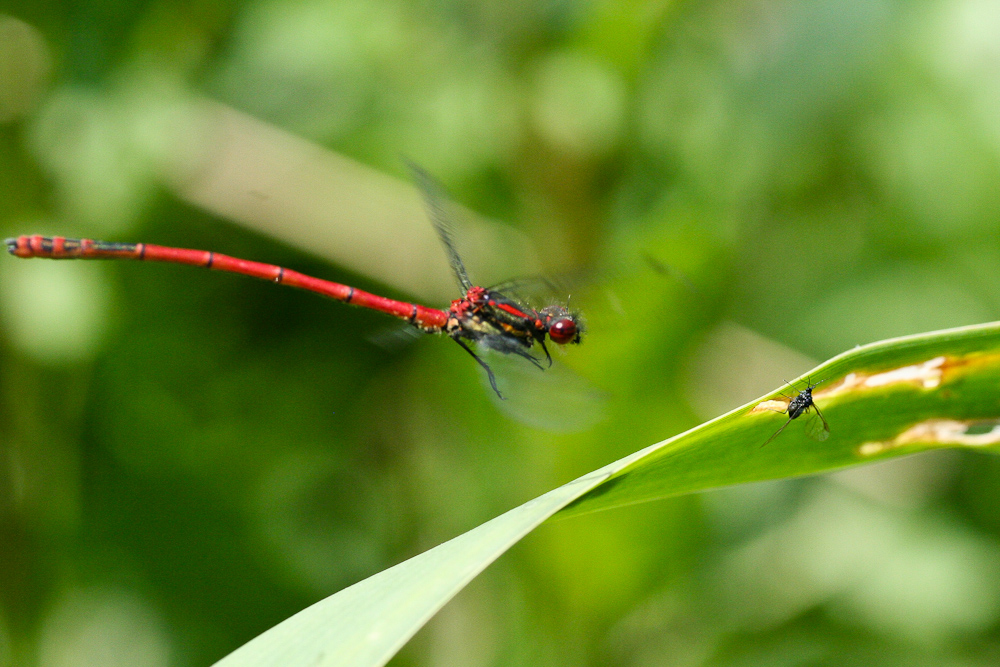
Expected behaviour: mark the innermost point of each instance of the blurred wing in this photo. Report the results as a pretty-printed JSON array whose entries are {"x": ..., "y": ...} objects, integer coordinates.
[
  {"x": 440, "y": 211},
  {"x": 816, "y": 426},
  {"x": 555, "y": 399},
  {"x": 541, "y": 291},
  {"x": 529, "y": 293},
  {"x": 395, "y": 337},
  {"x": 672, "y": 272}
]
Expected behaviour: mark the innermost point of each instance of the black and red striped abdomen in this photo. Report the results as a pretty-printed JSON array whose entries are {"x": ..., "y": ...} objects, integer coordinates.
[{"x": 58, "y": 247}]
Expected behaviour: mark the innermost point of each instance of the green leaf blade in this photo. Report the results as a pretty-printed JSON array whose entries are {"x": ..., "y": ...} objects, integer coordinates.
[
  {"x": 365, "y": 624},
  {"x": 954, "y": 375},
  {"x": 890, "y": 398}
]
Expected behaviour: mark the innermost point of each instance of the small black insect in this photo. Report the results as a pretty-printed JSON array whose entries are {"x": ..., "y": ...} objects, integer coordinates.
[{"x": 816, "y": 428}]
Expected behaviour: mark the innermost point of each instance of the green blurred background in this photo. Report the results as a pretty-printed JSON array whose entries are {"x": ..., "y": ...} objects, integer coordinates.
[{"x": 188, "y": 458}]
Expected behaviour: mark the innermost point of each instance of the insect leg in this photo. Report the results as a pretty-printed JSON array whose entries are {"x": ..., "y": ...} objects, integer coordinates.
[
  {"x": 546, "y": 351},
  {"x": 489, "y": 371},
  {"x": 527, "y": 355},
  {"x": 777, "y": 433}
]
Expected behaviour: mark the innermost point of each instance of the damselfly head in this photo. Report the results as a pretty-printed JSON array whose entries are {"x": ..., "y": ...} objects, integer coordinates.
[{"x": 563, "y": 326}]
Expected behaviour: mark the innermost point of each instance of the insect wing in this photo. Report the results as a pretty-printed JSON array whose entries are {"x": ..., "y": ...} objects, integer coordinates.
[
  {"x": 555, "y": 399},
  {"x": 816, "y": 426},
  {"x": 395, "y": 338},
  {"x": 525, "y": 286},
  {"x": 439, "y": 208},
  {"x": 540, "y": 291}
]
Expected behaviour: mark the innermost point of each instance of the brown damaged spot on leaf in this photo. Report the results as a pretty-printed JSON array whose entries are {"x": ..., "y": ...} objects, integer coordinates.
[
  {"x": 770, "y": 406},
  {"x": 937, "y": 432},
  {"x": 927, "y": 375}
]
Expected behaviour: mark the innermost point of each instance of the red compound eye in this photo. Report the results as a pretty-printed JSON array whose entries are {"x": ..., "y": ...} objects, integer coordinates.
[{"x": 563, "y": 331}]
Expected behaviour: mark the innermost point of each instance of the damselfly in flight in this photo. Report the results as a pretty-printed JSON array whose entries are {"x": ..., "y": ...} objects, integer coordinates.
[{"x": 481, "y": 315}]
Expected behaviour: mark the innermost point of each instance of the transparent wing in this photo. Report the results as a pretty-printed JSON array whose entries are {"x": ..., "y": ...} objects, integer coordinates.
[
  {"x": 439, "y": 209},
  {"x": 540, "y": 291},
  {"x": 555, "y": 399},
  {"x": 672, "y": 272},
  {"x": 816, "y": 426},
  {"x": 525, "y": 284},
  {"x": 395, "y": 337},
  {"x": 529, "y": 293}
]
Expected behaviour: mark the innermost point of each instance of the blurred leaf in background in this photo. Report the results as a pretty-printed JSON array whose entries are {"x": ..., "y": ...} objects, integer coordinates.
[{"x": 188, "y": 458}]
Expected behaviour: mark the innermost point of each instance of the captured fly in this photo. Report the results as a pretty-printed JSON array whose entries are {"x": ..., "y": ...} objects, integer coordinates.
[{"x": 816, "y": 426}]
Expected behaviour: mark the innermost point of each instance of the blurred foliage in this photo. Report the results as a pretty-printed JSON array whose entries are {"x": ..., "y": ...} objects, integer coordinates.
[
  {"x": 923, "y": 391},
  {"x": 189, "y": 458}
]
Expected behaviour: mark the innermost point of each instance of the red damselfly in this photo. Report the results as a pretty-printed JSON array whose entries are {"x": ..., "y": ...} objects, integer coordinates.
[{"x": 482, "y": 315}]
